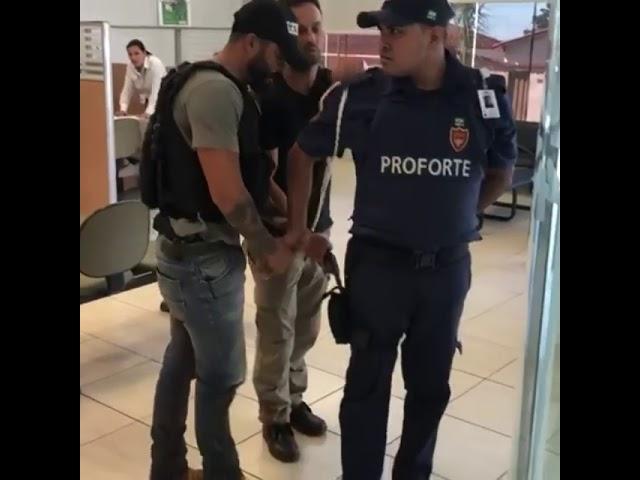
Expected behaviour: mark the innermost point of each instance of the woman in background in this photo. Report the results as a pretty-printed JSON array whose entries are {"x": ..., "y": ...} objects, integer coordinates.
[{"x": 143, "y": 77}]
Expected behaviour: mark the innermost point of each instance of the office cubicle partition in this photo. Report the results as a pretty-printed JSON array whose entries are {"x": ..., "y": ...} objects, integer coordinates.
[{"x": 97, "y": 149}]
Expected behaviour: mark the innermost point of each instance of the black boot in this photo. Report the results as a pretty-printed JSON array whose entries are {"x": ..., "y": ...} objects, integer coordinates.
[
  {"x": 281, "y": 442},
  {"x": 304, "y": 421}
]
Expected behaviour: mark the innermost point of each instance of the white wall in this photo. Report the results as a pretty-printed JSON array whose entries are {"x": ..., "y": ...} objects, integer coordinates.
[
  {"x": 340, "y": 15},
  {"x": 196, "y": 44},
  {"x": 120, "y": 12},
  {"x": 204, "y": 13}
]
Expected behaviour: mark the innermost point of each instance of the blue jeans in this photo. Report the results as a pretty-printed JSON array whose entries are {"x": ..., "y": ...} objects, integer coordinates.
[{"x": 203, "y": 286}]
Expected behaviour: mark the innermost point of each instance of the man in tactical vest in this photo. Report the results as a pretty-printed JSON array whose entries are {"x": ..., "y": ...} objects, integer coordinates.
[{"x": 204, "y": 169}]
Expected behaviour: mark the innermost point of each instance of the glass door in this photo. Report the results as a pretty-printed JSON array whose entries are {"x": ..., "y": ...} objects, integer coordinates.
[{"x": 537, "y": 453}]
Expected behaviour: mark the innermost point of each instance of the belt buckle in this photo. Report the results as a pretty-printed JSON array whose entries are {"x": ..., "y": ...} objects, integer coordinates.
[{"x": 425, "y": 260}]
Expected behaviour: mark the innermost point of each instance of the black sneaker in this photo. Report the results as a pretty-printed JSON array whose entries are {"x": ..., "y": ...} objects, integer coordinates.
[
  {"x": 281, "y": 442},
  {"x": 304, "y": 421}
]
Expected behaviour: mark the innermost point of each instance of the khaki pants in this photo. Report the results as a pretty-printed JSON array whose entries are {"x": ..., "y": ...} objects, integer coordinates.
[{"x": 288, "y": 322}]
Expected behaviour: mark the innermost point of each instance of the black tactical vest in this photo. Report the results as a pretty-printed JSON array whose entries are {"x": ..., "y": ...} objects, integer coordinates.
[{"x": 171, "y": 177}]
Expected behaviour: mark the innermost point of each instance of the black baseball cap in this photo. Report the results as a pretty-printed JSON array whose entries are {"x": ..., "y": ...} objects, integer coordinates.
[
  {"x": 398, "y": 13},
  {"x": 271, "y": 21}
]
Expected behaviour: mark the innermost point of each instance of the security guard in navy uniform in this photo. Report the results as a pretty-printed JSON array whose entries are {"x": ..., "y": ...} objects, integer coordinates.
[{"x": 430, "y": 154}]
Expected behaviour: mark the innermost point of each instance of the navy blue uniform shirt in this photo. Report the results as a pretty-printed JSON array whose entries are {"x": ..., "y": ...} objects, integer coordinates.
[{"x": 420, "y": 156}]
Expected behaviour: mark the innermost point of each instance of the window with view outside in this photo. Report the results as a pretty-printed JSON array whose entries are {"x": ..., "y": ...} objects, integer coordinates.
[{"x": 509, "y": 39}]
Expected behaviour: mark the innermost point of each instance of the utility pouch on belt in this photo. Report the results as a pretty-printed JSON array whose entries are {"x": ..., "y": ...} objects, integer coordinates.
[{"x": 338, "y": 306}]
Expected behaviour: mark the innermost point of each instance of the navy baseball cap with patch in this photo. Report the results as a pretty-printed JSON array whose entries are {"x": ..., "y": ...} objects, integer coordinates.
[
  {"x": 399, "y": 13},
  {"x": 269, "y": 20}
]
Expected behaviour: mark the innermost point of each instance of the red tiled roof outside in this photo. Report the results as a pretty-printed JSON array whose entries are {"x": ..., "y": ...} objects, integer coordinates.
[
  {"x": 525, "y": 38},
  {"x": 490, "y": 52},
  {"x": 485, "y": 41}
]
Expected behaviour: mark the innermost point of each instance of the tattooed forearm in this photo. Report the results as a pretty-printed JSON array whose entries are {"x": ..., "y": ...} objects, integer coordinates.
[{"x": 245, "y": 219}]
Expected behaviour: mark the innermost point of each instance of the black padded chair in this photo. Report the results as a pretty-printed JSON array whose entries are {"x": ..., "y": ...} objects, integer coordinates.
[{"x": 523, "y": 172}]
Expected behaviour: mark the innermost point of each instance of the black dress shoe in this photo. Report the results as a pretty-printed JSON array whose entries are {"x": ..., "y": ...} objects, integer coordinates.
[
  {"x": 281, "y": 442},
  {"x": 304, "y": 421}
]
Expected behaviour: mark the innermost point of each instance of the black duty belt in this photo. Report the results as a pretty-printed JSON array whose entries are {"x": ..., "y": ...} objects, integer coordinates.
[
  {"x": 405, "y": 257},
  {"x": 162, "y": 225}
]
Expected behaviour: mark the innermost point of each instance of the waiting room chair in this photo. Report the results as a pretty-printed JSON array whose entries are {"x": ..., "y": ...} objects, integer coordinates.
[
  {"x": 527, "y": 134},
  {"x": 145, "y": 272},
  {"x": 128, "y": 144},
  {"x": 128, "y": 137},
  {"x": 113, "y": 240}
]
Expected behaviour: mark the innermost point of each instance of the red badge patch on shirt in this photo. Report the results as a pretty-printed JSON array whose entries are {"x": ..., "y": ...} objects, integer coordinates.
[{"x": 459, "y": 138}]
